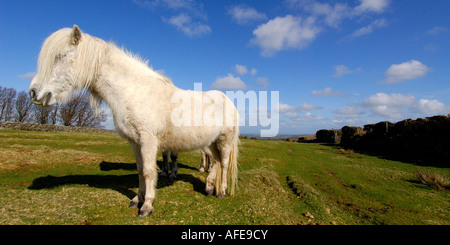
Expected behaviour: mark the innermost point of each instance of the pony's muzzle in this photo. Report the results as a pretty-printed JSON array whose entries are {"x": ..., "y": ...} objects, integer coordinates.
[{"x": 44, "y": 100}]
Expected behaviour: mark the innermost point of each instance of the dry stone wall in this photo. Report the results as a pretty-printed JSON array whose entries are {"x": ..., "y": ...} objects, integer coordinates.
[{"x": 49, "y": 128}]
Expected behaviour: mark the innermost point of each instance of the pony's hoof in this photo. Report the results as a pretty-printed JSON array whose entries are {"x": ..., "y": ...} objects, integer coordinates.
[
  {"x": 222, "y": 196},
  {"x": 163, "y": 174},
  {"x": 209, "y": 192},
  {"x": 201, "y": 170},
  {"x": 134, "y": 203},
  {"x": 145, "y": 211},
  {"x": 173, "y": 176}
]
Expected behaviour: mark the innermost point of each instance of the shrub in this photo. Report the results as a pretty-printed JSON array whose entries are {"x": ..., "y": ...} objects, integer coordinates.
[
  {"x": 345, "y": 151},
  {"x": 433, "y": 180},
  {"x": 301, "y": 139},
  {"x": 350, "y": 135},
  {"x": 328, "y": 136}
]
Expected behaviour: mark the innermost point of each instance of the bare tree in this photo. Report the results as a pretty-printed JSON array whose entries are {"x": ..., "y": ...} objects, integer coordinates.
[
  {"x": 67, "y": 112},
  {"x": 7, "y": 100},
  {"x": 2, "y": 101},
  {"x": 42, "y": 114},
  {"x": 79, "y": 113},
  {"x": 53, "y": 116},
  {"x": 23, "y": 107}
]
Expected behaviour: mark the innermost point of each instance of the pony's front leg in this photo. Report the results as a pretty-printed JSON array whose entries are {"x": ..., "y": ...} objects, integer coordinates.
[
  {"x": 148, "y": 177},
  {"x": 137, "y": 153}
]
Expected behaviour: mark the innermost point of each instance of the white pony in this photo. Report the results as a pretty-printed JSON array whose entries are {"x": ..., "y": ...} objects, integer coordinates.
[{"x": 146, "y": 107}]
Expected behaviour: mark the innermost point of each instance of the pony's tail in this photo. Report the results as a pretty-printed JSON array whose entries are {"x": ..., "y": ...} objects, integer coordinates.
[{"x": 232, "y": 172}]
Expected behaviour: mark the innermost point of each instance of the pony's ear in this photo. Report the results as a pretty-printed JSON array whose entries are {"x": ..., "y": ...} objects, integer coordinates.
[{"x": 75, "y": 36}]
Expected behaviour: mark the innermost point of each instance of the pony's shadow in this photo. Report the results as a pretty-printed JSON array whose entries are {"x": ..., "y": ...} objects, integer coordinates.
[{"x": 120, "y": 183}]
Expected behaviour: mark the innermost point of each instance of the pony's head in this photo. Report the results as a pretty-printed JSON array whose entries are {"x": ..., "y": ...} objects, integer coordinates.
[{"x": 68, "y": 61}]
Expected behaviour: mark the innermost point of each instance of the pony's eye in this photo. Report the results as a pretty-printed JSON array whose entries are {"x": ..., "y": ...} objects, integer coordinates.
[{"x": 60, "y": 56}]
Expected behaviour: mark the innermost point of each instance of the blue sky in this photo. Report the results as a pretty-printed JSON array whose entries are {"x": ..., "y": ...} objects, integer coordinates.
[{"x": 334, "y": 62}]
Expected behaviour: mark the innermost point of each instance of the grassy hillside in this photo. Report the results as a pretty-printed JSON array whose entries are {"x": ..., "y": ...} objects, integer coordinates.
[{"x": 81, "y": 178}]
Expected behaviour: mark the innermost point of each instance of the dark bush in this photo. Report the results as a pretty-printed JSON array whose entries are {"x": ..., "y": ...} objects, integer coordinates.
[
  {"x": 350, "y": 136},
  {"x": 328, "y": 136}
]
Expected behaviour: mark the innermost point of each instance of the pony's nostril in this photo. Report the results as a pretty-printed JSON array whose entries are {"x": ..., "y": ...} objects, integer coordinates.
[
  {"x": 49, "y": 96},
  {"x": 32, "y": 93},
  {"x": 46, "y": 99}
]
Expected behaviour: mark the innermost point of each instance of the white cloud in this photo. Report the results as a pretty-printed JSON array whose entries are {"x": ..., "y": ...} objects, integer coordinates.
[
  {"x": 332, "y": 14},
  {"x": 28, "y": 75},
  {"x": 308, "y": 107},
  {"x": 287, "y": 110},
  {"x": 436, "y": 30},
  {"x": 327, "y": 92},
  {"x": 376, "y": 6},
  {"x": 396, "y": 100},
  {"x": 342, "y": 70},
  {"x": 179, "y": 4},
  {"x": 244, "y": 15},
  {"x": 292, "y": 111},
  {"x": 406, "y": 71},
  {"x": 229, "y": 83},
  {"x": 431, "y": 107},
  {"x": 284, "y": 33},
  {"x": 309, "y": 117},
  {"x": 292, "y": 32},
  {"x": 264, "y": 82},
  {"x": 392, "y": 107},
  {"x": 187, "y": 6},
  {"x": 368, "y": 29},
  {"x": 431, "y": 47},
  {"x": 184, "y": 11},
  {"x": 389, "y": 105},
  {"x": 185, "y": 24},
  {"x": 349, "y": 112},
  {"x": 240, "y": 69}
]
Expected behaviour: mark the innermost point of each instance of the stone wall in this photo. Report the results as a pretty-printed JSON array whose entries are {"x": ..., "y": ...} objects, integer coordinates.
[
  {"x": 423, "y": 139},
  {"x": 49, "y": 128}
]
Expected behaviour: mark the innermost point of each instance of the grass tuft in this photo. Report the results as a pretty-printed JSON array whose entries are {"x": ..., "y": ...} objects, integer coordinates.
[{"x": 433, "y": 180}]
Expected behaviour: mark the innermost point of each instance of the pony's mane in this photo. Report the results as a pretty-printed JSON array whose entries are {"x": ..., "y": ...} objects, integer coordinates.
[{"x": 90, "y": 54}]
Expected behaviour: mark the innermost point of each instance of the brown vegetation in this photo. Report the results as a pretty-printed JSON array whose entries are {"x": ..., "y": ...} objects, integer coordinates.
[{"x": 433, "y": 180}]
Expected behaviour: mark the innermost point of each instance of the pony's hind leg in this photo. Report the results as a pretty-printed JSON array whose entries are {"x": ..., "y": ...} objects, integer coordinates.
[
  {"x": 165, "y": 167},
  {"x": 221, "y": 184},
  {"x": 201, "y": 169},
  {"x": 205, "y": 164},
  {"x": 173, "y": 158},
  {"x": 212, "y": 152}
]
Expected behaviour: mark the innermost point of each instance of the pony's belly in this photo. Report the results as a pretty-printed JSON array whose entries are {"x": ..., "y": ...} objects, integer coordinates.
[{"x": 188, "y": 139}]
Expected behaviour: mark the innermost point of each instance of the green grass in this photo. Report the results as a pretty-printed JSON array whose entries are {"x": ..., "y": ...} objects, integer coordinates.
[{"x": 80, "y": 178}]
